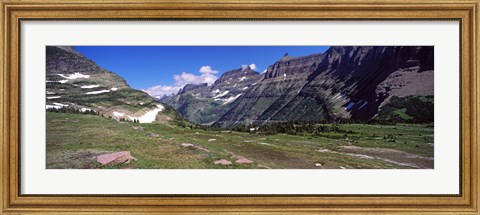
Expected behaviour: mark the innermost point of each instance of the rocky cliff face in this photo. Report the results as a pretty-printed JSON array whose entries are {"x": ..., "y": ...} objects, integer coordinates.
[
  {"x": 63, "y": 62},
  {"x": 345, "y": 82},
  {"x": 192, "y": 87},
  {"x": 366, "y": 77},
  {"x": 289, "y": 66}
]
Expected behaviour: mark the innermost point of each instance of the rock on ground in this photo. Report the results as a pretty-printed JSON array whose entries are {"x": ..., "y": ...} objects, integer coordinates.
[
  {"x": 202, "y": 148},
  {"x": 114, "y": 158},
  {"x": 223, "y": 162},
  {"x": 195, "y": 146},
  {"x": 243, "y": 160},
  {"x": 323, "y": 150},
  {"x": 140, "y": 128},
  {"x": 153, "y": 135}
]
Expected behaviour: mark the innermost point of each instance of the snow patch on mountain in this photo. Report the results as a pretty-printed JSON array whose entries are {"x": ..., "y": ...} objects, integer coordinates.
[
  {"x": 221, "y": 94},
  {"x": 350, "y": 105},
  {"x": 231, "y": 99},
  {"x": 53, "y": 106},
  {"x": 97, "y": 92},
  {"x": 85, "y": 109},
  {"x": 74, "y": 76},
  {"x": 60, "y": 104},
  {"x": 363, "y": 105},
  {"x": 150, "y": 116},
  {"x": 61, "y": 81},
  {"x": 90, "y": 86},
  {"x": 115, "y": 113}
]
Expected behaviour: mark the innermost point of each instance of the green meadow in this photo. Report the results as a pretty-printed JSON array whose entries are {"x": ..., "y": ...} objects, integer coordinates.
[{"x": 75, "y": 140}]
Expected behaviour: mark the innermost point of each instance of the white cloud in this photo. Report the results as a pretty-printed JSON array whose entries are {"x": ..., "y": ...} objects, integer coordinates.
[
  {"x": 206, "y": 76},
  {"x": 207, "y": 70},
  {"x": 253, "y": 66},
  {"x": 162, "y": 90},
  {"x": 189, "y": 78}
]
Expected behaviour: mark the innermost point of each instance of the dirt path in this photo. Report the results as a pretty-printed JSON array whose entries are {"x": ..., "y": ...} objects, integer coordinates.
[{"x": 390, "y": 156}]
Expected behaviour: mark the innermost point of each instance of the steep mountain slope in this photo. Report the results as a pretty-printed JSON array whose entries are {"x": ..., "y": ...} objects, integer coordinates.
[
  {"x": 367, "y": 77},
  {"x": 205, "y": 104},
  {"x": 74, "y": 82},
  {"x": 277, "y": 87},
  {"x": 345, "y": 82}
]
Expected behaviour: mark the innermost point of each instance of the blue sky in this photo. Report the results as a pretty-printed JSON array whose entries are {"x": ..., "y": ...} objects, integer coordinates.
[{"x": 168, "y": 68}]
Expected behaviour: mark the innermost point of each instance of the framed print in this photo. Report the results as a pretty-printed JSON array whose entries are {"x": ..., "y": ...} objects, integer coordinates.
[{"x": 239, "y": 107}]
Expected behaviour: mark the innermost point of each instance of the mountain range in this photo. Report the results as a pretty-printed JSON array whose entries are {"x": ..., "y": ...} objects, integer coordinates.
[{"x": 345, "y": 83}]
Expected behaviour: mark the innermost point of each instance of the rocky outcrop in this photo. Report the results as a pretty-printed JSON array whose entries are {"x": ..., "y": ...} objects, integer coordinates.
[
  {"x": 192, "y": 87},
  {"x": 244, "y": 75},
  {"x": 293, "y": 66},
  {"x": 65, "y": 61}
]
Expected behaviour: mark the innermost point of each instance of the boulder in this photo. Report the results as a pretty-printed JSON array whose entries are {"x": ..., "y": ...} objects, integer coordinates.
[
  {"x": 323, "y": 150},
  {"x": 241, "y": 159},
  {"x": 223, "y": 162},
  {"x": 187, "y": 145},
  {"x": 202, "y": 148},
  {"x": 114, "y": 158},
  {"x": 153, "y": 135},
  {"x": 195, "y": 146},
  {"x": 140, "y": 128}
]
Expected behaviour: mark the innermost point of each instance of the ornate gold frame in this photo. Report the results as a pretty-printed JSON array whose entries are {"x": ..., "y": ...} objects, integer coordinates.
[{"x": 12, "y": 11}]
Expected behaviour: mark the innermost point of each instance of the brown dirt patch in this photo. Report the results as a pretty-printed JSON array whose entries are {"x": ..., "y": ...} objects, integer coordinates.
[
  {"x": 390, "y": 156},
  {"x": 73, "y": 160}
]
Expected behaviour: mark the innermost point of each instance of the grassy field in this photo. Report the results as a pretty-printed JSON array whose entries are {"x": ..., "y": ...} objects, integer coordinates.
[{"x": 74, "y": 141}]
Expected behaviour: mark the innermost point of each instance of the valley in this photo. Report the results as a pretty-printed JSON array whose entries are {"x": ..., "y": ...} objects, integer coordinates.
[{"x": 75, "y": 140}]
